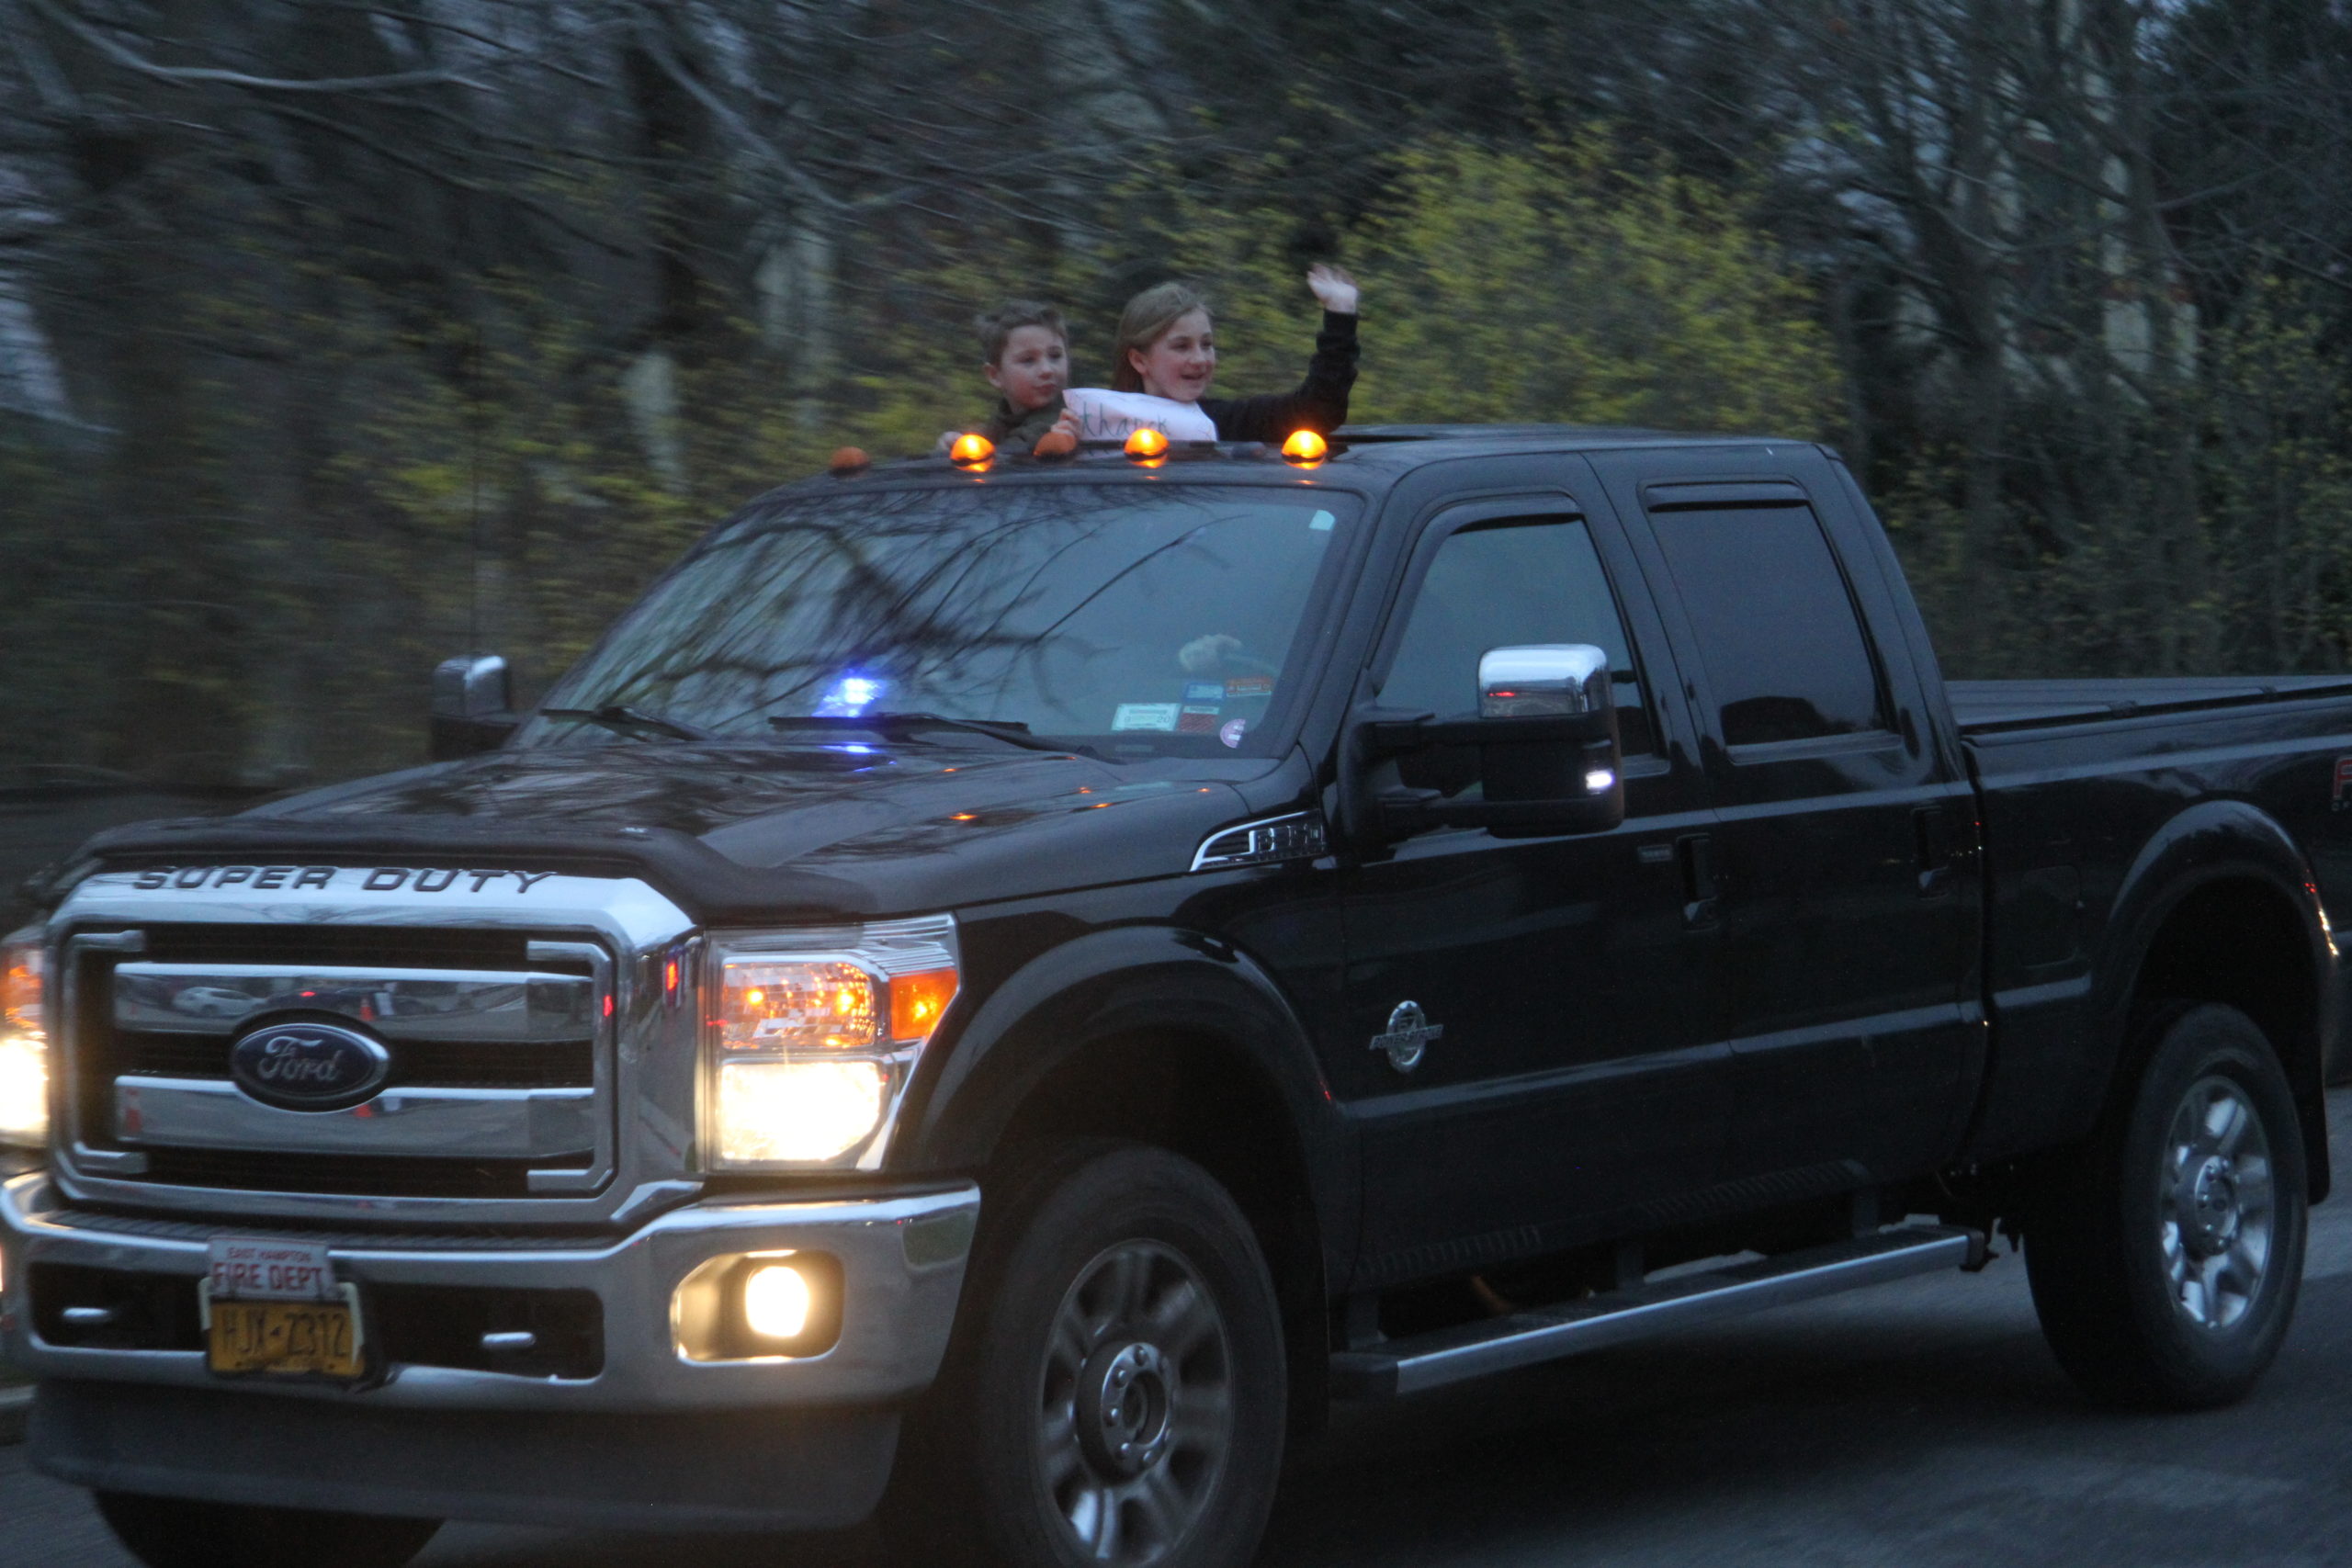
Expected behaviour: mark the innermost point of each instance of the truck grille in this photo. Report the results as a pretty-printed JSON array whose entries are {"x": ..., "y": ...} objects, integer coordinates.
[{"x": 499, "y": 1041}]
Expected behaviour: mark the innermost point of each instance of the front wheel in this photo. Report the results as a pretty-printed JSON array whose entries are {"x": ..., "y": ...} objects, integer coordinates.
[
  {"x": 181, "y": 1532},
  {"x": 2167, "y": 1257},
  {"x": 1116, "y": 1390}
]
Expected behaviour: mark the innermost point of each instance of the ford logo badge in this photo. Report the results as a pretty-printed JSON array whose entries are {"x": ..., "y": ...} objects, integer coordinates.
[{"x": 308, "y": 1067}]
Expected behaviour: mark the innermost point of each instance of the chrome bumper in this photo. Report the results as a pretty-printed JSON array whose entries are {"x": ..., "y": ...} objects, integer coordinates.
[{"x": 902, "y": 1259}]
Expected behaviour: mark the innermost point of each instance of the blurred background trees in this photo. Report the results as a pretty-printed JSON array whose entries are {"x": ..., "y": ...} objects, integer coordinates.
[{"x": 339, "y": 337}]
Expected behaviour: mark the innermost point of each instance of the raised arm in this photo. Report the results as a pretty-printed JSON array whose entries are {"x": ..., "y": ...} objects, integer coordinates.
[{"x": 1321, "y": 401}]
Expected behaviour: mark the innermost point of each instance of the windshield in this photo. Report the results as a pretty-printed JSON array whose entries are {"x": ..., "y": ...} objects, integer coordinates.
[{"x": 1164, "y": 620}]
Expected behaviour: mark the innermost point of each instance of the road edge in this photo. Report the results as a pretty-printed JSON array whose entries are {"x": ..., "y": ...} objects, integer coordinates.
[{"x": 15, "y": 1409}]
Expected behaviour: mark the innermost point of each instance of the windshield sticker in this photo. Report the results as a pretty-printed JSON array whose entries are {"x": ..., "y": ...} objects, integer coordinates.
[
  {"x": 1235, "y": 729},
  {"x": 1145, "y": 716},
  {"x": 1201, "y": 720},
  {"x": 1249, "y": 687},
  {"x": 1204, "y": 691}
]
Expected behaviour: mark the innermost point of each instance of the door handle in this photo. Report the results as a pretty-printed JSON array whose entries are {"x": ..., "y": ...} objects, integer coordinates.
[
  {"x": 1701, "y": 882},
  {"x": 1934, "y": 842}
]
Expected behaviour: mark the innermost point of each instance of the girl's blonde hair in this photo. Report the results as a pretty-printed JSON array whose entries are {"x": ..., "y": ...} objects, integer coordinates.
[{"x": 1145, "y": 322}]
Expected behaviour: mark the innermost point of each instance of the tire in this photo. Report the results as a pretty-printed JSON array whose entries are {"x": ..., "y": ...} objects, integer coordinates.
[
  {"x": 1116, "y": 1391},
  {"x": 2166, "y": 1256},
  {"x": 180, "y": 1532}
]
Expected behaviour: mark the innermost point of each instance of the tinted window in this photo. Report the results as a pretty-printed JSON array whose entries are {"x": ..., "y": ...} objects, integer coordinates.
[
  {"x": 1506, "y": 585},
  {"x": 1775, "y": 625},
  {"x": 1161, "y": 620}
]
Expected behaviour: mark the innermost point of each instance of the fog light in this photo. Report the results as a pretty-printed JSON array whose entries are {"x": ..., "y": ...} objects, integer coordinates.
[
  {"x": 777, "y": 1299},
  {"x": 759, "y": 1306},
  {"x": 1600, "y": 781}
]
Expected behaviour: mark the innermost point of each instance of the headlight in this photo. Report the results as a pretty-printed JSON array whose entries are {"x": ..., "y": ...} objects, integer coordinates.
[
  {"x": 809, "y": 1039},
  {"x": 24, "y": 1039}
]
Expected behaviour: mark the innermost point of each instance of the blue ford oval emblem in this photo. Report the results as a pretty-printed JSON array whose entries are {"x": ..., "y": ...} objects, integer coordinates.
[{"x": 308, "y": 1067}]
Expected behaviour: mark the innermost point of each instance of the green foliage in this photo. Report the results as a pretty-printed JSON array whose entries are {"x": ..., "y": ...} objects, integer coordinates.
[
  {"x": 2221, "y": 541},
  {"x": 1539, "y": 284}
]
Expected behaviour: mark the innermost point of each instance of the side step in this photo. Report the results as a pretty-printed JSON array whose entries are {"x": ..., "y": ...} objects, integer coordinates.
[{"x": 1450, "y": 1355}]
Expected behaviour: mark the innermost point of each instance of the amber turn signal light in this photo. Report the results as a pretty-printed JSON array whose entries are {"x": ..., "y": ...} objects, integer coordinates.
[
  {"x": 971, "y": 451},
  {"x": 1147, "y": 445},
  {"x": 917, "y": 1000},
  {"x": 1305, "y": 448}
]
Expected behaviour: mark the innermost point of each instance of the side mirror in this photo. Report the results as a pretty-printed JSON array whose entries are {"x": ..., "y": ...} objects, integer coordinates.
[
  {"x": 473, "y": 706},
  {"x": 1548, "y": 758}
]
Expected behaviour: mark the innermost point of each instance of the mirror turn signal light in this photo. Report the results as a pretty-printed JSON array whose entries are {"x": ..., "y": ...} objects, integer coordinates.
[
  {"x": 971, "y": 450},
  {"x": 1148, "y": 447},
  {"x": 1305, "y": 448}
]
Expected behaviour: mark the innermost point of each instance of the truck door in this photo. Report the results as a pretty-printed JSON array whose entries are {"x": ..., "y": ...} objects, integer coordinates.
[
  {"x": 1526, "y": 1043},
  {"x": 1848, "y": 903}
]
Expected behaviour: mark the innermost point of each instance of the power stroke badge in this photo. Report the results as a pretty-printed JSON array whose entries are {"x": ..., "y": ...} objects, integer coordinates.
[{"x": 1407, "y": 1037}]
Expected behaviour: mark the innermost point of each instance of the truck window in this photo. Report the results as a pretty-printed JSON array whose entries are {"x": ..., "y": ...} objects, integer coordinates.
[
  {"x": 1776, "y": 628},
  {"x": 1506, "y": 584},
  {"x": 1147, "y": 622}
]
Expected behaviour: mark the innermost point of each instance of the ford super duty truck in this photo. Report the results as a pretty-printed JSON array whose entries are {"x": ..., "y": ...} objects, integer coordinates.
[{"x": 1003, "y": 988}]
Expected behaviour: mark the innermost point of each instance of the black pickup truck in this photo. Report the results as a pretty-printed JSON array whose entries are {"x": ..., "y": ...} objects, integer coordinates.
[{"x": 1001, "y": 991}]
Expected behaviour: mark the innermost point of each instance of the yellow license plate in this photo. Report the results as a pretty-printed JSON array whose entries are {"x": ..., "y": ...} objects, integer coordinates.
[{"x": 316, "y": 1338}]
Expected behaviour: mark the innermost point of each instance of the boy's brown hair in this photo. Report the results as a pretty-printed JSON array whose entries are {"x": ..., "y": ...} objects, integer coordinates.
[{"x": 1008, "y": 318}]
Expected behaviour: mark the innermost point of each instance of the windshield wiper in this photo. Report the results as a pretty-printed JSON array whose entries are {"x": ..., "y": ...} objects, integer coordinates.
[
  {"x": 629, "y": 721},
  {"x": 1012, "y": 733}
]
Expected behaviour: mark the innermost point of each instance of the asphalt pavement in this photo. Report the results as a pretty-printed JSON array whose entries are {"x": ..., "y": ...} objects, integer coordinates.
[{"x": 1921, "y": 1424}]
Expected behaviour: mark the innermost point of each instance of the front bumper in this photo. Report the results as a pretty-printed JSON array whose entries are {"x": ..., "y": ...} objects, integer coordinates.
[{"x": 437, "y": 1436}]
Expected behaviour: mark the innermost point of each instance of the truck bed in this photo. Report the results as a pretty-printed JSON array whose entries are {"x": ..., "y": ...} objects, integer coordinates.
[{"x": 1990, "y": 706}]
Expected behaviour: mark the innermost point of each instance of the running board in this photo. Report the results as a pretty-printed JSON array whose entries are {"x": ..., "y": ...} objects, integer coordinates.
[{"x": 1425, "y": 1361}]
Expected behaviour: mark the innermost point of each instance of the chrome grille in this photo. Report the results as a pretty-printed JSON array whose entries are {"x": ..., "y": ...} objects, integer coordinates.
[{"x": 501, "y": 1043}]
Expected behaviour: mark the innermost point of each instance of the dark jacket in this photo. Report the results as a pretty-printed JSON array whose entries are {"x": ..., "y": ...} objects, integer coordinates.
[
  {"x": 1321, "y": 403},
  {"x": 1020, "y": 431}
]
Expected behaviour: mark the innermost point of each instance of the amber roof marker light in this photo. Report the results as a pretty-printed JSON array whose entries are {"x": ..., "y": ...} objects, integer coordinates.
[
  {"x": 1306, "y": 449},
  {"x": 848, "y": 460},
  {"x": 1148, "y": 447},
  {"x": 971, "y": 451}
]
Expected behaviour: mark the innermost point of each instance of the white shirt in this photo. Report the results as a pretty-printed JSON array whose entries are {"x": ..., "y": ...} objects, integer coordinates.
[{"x": 1105, "y": 415}]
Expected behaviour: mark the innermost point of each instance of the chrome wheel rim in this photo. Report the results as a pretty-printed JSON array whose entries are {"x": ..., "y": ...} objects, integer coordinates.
[
  {"x": 1135, "y": 1414},
  {"x": 2216, "y": 1204}
]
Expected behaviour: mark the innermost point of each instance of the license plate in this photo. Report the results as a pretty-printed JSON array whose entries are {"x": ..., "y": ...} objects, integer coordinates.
[
  {"x": 317, "y": 1338},
  {"x": 273, "y": 1306}
]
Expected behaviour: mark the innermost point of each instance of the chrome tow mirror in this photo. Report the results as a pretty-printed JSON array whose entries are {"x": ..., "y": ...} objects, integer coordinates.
[
  {"x": 1546, "y": 739},
  {"x": 1546, "y": 678}
]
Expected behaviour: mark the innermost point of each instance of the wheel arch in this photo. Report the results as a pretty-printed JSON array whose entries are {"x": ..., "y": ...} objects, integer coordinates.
[
  {"x": 1173, "y": 1038},
  {"x": 2221, "y": 906}
]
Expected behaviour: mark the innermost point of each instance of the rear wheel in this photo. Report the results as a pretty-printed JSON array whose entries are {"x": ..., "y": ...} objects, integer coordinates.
[
  {"x": 1115, "y": 1394},
  {"x": 2166, "y": 1259},
  {"x": 181, "y": 1532}
]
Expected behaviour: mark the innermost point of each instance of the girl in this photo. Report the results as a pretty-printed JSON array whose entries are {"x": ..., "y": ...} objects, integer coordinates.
[{"x": 1167, "y": 352}]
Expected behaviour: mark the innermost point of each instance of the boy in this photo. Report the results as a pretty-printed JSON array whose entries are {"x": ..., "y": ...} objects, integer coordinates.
[{"x": 1026, "y": 349}]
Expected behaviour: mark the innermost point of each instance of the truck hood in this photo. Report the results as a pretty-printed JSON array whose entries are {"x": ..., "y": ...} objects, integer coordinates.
[{"x": 728, "y": 830}]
